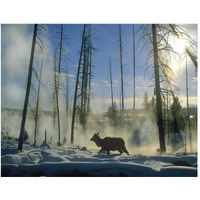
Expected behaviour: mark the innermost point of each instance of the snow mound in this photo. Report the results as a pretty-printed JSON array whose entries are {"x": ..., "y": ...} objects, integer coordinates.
[
  {"x": 76, "y": 161},
  {"x": 45, "y": 145}
]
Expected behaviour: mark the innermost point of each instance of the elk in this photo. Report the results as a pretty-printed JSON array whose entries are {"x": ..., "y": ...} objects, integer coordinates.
[{"x": 109, "y": 144}]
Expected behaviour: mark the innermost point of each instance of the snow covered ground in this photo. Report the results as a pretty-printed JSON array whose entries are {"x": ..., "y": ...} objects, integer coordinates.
[{"x": 75, "y": 161}]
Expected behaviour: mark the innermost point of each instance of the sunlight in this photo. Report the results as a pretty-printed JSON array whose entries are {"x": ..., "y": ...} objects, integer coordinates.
[{"x": 180, "y": 45}]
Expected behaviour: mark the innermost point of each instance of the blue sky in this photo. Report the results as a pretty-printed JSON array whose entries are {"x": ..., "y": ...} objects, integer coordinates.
[{"x": 15, "y": 54}]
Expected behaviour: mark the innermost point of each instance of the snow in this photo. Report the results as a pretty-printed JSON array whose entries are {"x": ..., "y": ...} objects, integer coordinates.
[{"x": 75, "y": 161}]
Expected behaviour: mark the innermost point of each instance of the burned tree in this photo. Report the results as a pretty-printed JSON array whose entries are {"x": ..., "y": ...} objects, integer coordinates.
[
  {"x": 76, "y": 87},
  {"x": 111, "y": 87},
  {"x": 121, "y": 66},
  {"x": 35, "y": 40},
  {"x": 60, "y": 57},
  {"x": 37, "y": 103},
  {"x": 158, "y": 92},
  {"x": 81, "y": 106},
  {"x": 133, "y": 67}
]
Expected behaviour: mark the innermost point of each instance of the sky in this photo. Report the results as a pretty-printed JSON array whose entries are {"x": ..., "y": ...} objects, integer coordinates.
[{"x": 15, "y": 54}]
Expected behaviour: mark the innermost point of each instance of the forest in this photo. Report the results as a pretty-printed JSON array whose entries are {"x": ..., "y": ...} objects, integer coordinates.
[{"x": 133, "y": 81}]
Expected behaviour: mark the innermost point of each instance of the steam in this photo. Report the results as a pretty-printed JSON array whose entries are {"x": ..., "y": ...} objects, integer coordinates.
[{"x": 15, "y": 59}]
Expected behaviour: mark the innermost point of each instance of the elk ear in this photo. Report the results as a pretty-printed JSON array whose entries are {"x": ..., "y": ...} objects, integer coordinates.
[{"x": 98, "y": 133}]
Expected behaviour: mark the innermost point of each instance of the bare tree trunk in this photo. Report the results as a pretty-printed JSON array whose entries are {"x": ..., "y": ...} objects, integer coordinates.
[
  {"x": 158, "y": 92},
  {"x": 121, "y": 63},
  {"x": 37, "y": 104},
  {"x": 76, "y": 88},
  {"x": 55, "y": 93},
  {"x": 111, "y": 84},
  {"x": 90, "y": 77},
  {"x": 67, "y": 92},
  {"x": 21, "y": 136},
  {"x": 57, "y": 106},
  {"x": 188, "y": 114},
  {"x": 133, "y": 67},
  {"x": 122, "y": 82},
  {"x": 58, "y": 83}
]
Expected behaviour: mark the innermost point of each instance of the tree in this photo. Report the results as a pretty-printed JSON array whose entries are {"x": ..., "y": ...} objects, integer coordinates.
[
  {"x": 111, "y": 82},
  {"x": 60, "y": 58},
  {"x": 160, "y": 37},
  {"x": 121, "y": 65},
  {"x": 158, "y": 92},
  {"x": 67, "y": 92},
  {"x": 178, "y": 123},
  {"x": 21, "y": 136},
  {"x": 188, "y": 114},
  {"x": 133, "y": 67},
  {"x": 112, "y": 114},
  {"x": 82, "y": 94},
  {"x": 76, "y": 87},
  {"x": 145, "y": 102},
  {"x": 58, "y": 81},
  {"x": 37, "y": 103}
]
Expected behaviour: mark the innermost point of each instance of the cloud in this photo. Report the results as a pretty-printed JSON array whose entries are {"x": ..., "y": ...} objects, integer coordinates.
[
  {"x": 70, "y": 75},
  {"x": 93, "y": 84},
  {"x": 105, "y": 81}
]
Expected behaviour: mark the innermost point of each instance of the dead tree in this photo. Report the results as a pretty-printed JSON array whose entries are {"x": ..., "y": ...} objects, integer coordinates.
[
  {"x": 54, "y": 94},
  {"x": 188, "y": 114},
  {"x": 90, "y": 69},
  {"x": 21, "y": 136},
  {"x": 76, "y": 88},
  {"x": 133, "y": 67},
  {"x": 82, "y": 92},
  {"x": 158, "y": 92},
  {"x": 58, "y": 81},
  {"x": 60, "y": 57},
  {"x": 37, "y": 103},
  {"x": 111, "y": 83},
  {"x": 67, "y": 92},
  {"x": 121, "y": 65}
]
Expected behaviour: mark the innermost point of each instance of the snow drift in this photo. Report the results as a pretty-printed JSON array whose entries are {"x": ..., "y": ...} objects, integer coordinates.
[{"x": 75, "y": 161}]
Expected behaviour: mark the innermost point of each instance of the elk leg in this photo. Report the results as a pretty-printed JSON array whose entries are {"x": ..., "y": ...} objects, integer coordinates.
[
  {"x": 100, "y": 150},
  {"x": 120, "y": 151}
]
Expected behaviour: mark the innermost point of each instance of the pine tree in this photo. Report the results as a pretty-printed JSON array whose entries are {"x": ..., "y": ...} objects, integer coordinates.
[
  {"x": 112, "y": 114},
  {"x": 145, "y": 102}
]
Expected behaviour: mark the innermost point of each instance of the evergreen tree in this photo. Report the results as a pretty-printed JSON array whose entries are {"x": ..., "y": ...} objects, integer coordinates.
[
  {"x": 178, "y": 123},
  {"x": 112, "y": 114},
  {"x": 145, "y": 103}
]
